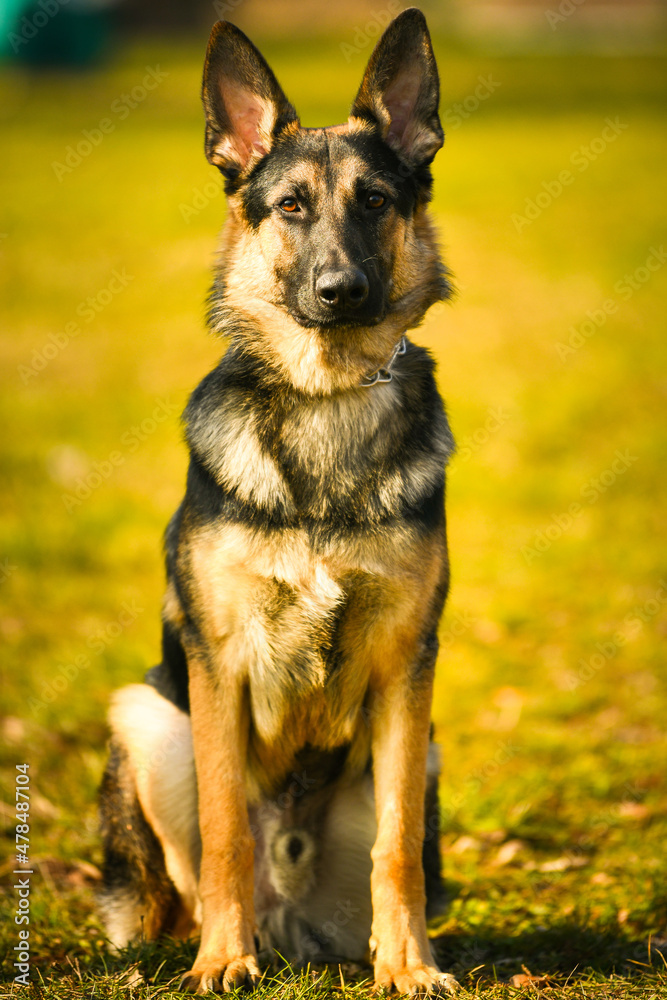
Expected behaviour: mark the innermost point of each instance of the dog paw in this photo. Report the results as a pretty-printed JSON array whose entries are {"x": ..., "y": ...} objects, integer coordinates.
[
  {"x": 221, "y": 977},
  {"x": 420, "y": 980}
]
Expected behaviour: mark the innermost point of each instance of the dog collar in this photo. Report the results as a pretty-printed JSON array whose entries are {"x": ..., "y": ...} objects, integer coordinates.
[{"x": 384, "y": 374}]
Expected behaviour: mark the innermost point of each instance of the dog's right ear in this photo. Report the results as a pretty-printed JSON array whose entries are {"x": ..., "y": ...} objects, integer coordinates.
[
  {"x": 244, "y": 104},
  {"x": 400, "y": 89}
]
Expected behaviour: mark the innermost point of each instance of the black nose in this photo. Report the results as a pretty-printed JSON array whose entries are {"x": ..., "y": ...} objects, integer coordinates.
[{"x": 343, "y": 289}]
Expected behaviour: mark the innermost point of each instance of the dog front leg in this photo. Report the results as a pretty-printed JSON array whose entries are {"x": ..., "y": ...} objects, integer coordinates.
[
  {"x": 227, "y": 956},
  {"x": 400, "y": 714}
]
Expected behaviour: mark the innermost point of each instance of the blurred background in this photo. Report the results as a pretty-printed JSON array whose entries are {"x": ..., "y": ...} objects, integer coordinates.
[{"x": 551, "y": 695}]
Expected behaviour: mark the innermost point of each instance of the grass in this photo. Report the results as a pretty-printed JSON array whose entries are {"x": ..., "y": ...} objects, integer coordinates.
[{"x": 551, "y": 693}]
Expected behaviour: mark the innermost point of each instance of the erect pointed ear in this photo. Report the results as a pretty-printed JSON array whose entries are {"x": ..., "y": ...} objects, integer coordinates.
[
  {"x": 400, "y": 89},
  {"x": 244, "y": 104}
]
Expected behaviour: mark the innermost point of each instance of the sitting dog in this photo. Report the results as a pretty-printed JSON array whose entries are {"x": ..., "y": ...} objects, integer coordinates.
[{"x": 273, "y": 783}]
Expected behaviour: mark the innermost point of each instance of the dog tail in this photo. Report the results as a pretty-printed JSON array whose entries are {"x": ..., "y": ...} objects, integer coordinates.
[
  {"x": 136, "y": 898},
  {"x": 293, "y": 853},
  {"x": 148, "y": 809}
]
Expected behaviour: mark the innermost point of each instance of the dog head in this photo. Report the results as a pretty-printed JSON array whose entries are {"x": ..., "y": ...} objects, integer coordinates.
[{"x": 328, "y": 253}]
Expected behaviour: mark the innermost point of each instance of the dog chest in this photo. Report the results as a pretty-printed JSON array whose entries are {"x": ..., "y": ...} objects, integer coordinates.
[
  {"x": 351, "y": 459},
  {"x": 294, "y": 624}
]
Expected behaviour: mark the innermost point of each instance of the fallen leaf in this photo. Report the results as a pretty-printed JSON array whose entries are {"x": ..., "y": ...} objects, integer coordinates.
[
  {"x": 633, "y": 810},
  {"x": 562, "y": 864},
  {"x": 41, "y": 806},
  {"x": 464, "y": 844},
  {"x": 507, "y": 853},
  {"x": 131, "y": 977},
  {"x": 13, "y": 729},
  {"x": 525, "y": 979}
]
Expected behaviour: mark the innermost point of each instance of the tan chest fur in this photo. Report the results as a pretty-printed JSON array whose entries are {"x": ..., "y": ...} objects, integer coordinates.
[{"x": 307, "y": 631}]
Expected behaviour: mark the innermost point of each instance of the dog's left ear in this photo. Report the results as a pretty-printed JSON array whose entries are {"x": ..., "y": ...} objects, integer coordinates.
[
  {"x": 400, "y": 89},
  {"x": 244, "y": 104}
]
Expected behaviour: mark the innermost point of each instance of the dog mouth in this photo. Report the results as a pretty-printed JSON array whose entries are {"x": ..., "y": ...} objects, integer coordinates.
[{"x": 348, "y": 322}]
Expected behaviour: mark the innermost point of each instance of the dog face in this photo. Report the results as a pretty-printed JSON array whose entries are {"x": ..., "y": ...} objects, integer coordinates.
[
  {"x": 330, "y": 209},
  {"x": 327, "y": 228}
]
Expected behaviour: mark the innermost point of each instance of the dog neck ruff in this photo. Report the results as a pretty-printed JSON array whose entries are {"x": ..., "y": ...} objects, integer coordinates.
[{"x": 384, "y": 374}]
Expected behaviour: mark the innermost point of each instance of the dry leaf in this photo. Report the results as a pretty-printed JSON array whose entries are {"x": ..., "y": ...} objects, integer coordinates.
[
  {"x": 508, "y": 852},
  {"x": 41, "y": 806},
  {"x": 633, "y": 810},
  {"x": 464, "y": 844},
  {"x": 13, "y": 729},
  {"x": 495, "y": 836},
  {"x": 562, "y": 864},
  {"x": 525, "y": 979},
  {"x": 131, "y": 977}
]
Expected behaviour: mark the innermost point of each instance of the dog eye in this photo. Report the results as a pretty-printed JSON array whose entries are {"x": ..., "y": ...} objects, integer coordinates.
[
  {"x": 290, "y": 205},
  {"x": 375, "y": 200}
]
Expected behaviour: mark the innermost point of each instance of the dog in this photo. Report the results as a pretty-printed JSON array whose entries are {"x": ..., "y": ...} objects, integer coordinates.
[{"x": 272, "y": 784}]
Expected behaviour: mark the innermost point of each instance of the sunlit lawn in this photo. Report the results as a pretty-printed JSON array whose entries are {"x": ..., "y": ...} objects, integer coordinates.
[{"x": 551, "y": 698}]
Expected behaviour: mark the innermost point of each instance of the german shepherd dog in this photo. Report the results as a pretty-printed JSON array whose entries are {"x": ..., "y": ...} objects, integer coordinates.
[{"x": 273, "y": 782}]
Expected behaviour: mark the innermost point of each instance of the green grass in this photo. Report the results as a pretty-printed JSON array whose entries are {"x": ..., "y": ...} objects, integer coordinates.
[{"x": 551, "y": 692}]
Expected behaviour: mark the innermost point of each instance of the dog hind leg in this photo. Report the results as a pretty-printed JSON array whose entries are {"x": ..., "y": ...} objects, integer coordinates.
[{"x": 148, "y": 806}]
